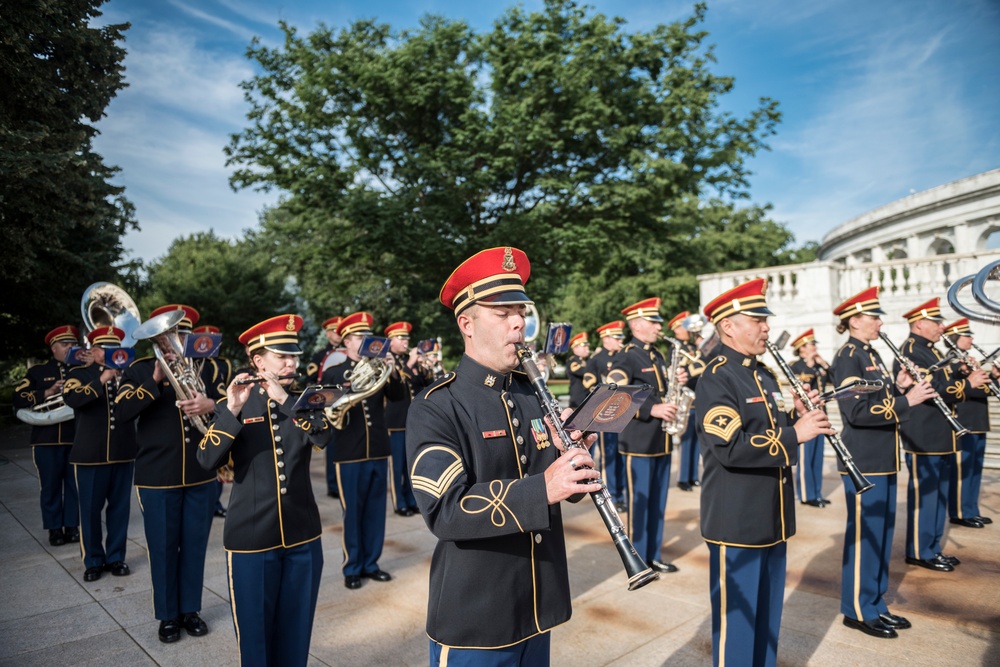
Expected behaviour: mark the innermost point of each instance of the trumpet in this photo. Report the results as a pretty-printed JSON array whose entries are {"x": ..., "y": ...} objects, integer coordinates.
[{"x": 639, "y": 574}]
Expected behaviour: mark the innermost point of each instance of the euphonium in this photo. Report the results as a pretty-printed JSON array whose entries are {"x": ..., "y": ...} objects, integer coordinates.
[
  {"x": 677, "y": 394},
  {"x": 179, "y": 371},
  {"x": 368, "y": 376},
  {"x": 51, "y": 411}
]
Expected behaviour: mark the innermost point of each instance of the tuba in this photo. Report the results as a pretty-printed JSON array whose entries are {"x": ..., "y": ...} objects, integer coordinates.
[
  {"x": 180, "y": 372},
  {"x": 368, "y": 376}
]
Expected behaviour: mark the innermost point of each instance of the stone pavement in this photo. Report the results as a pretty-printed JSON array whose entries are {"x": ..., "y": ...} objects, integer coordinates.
[{"x": 49, "y": 616}]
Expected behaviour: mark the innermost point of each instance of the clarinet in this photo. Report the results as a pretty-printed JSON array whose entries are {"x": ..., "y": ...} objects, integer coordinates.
[
  {"x": 861, "y": 484},
  {"x": 918, "y": 377},
  {"x": 639, "y": 574}
]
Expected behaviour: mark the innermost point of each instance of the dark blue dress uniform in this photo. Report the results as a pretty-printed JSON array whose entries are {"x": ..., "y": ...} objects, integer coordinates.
[
  {"x": 51, "y": 445},
  {"x": 748, "y": 445},
  {"x": 871, "y": 434},
  {"x": 103, "y": 457},
  {"x": 176, "y": 495},
  {"x": 478, "y": 450},
  {"x": 272, "y": 531},
  {"x": 645, "y": 446},
  {"x": 612, "y": 462},
  {"x": 413, "y": 380},
  {"x": 576, "y": 370},
  {"x": 929, "y": 443},
  {"x": 809, "y": 472},
  {"x": 972, "y": 412},
  {"x": 361, "y": 456}
]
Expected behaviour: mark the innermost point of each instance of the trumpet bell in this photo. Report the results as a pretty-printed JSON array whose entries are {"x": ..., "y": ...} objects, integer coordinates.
[{"x": 107, "y": 305}]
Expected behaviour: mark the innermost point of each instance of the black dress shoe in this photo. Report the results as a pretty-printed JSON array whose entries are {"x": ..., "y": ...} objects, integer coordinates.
[
  {"x": 72, "y": 534},
  {"x": 170, "y": 631},
  {"x": 930, "y": 564},
  {"x": 985, "y": 520},
  {"x": 378, "y": 575},
  {"x": 404, "y": 512},
  {"x": 220, "y": 513},
  {"x": 56, "y": 537},
  {"x": 352, "y": 582},
  {"x": 825, "y": 501},
  {"x": 695, "y": 483},
  {"x": 194, "y": 625},
  {"x": 893, "y": 621},
  {"x": 118, "y": 568},
  {"x": 951, "y": 560},
  {"x": 684, "y": 486},
  {"x": 814, "y": 502},
  {"x": 660, "y": 566},
  {"x": 93, "y": 573},
  {"x": 968, "y": 523},
  {"x": 875, "y": 628}
]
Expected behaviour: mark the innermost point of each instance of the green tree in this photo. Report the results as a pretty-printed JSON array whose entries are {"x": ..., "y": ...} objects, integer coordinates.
[
  {"x": 559, "y": 131},
  {"x": 62, "y": 218},
  {"x": 233, "y": 285}
]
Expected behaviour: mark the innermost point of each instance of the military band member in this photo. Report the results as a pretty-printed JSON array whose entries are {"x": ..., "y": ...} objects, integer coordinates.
[
  {"x": 687, "y": 475},
  {"x": 176, "y": 495},
  {"x": 811, "y": 369},
  {"x": 361, "y": 455},
  {"x": 415, "y": 375},
  {"x": 612, "y": 337},
  {"x": 488, "y": 481},
  {"x": 576, "y": 368},
  {"x": 51, "y": 443},
  {"x": 749, "y": 441},
  {"x": 929, "y": 442},
  {"x": 871, "y": 433},
  {"x": 103, "y": 457},
  {"x": 332, "y": 352},
  {"x": 973, "y": 413},
  {"x": 217, "y": 372},
  {"x": 645, "y": 445},
  {"x": 272, "y": 531}
]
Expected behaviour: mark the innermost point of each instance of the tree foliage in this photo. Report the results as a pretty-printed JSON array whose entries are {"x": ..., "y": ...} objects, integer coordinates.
[
  {"x": 232, "y": 285},
  {"x": 62, "y": 218},
  {"x": 599, "y": 151}
]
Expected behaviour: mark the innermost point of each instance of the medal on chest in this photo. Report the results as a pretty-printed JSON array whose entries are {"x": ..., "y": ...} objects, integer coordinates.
[{"x": 540, "y": 434}]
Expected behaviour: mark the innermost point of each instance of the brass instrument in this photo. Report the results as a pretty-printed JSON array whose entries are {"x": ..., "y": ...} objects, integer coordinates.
[
  {"x": 368, "y": 376},
  {"x": 180, "y": 372},
  {"x": 973, "y": 364},
  {"x": 53, "y": 410},
  {"x": 677, "y": 394},
  {"x": 639, "y": 574},
  {"x": 978, "y": 281},
  {"x": 107, "y": 305}
]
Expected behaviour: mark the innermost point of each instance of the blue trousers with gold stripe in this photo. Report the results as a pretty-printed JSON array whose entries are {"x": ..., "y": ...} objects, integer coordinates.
[
  {"x": 177, "y": 522},
  {"x": 612, "y": 466},
  {"x": 648, "y": 482},
  {"x": 58, "y": 497},
  {"x": 809, "y": 471},
  {"x": 107, "y": 484},
  {"x": 533, "y": 652},
  {"x": 690, "y": 453},
  {"x": 362, "y": 497},
  {"x": 926, "y": 504},
  {"x": 871, "y": 523},
  {"x": 966, "y": 476},
  {"x": 747, "y": 589},
  {"x": 402, "y": 492},
  {"x": 274, "y": 595}
]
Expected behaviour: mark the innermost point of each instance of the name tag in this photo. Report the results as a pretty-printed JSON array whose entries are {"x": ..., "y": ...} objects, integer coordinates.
[
  {"x": 253, "y": 420},
  {"x": 495, "y": 434}
]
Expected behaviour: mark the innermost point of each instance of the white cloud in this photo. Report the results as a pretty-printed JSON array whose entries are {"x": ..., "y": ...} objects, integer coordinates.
[{"x": 235, "y": 28}]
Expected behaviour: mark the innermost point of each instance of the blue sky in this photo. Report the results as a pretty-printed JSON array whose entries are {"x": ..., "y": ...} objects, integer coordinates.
[{"x": 879, "y": 99}]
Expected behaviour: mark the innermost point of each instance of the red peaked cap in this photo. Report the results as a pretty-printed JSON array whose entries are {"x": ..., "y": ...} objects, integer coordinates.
[
  {"x": 496, "y": 275},
  {"x": 677, "y": 319},
  {"x": 332, "y": 323},
  {"x": 808, "y": 337},
  {"x": 647, "y": 309},
  {"x": 278, "y": 334},
  {"x": 929, "y": 310},
  {"x": 960, "y": 327},
  {"x": 747, "y": 298},
  {"x": 579, "y": 339},
  {"x": 614, "y": 329},
  {"x": 356, "y": 323},
  {"x": 865, "y": 301},
  {"x": 398, "y": 330},
  {"x": 208, "y": 328},
  {"x": 67, "y": 332},
  {"x": 106, "y": 336}
]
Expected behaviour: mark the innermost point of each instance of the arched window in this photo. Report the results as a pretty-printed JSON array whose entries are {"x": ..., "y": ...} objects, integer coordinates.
[
  {"x": 896, "y": 252},
  {"x": 940, "y": 246},
  {"x": 990, "y": 239}
]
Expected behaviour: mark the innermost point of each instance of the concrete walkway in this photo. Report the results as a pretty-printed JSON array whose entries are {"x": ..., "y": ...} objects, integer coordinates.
[{"x": 49, "y": 616}]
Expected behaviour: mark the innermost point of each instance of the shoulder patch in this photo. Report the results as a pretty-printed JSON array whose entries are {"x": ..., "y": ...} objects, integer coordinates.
[{"x": 722, "y": 421}]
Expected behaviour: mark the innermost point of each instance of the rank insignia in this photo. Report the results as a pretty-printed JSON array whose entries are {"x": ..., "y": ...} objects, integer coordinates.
[
  {"x": 540, "y": 433},
  {"x": 490, "y": 380}
]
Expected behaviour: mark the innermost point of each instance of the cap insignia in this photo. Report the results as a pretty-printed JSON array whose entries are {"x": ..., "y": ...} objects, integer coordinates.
[
  {"x": 508, "y": 260},
  {"x": 490, "y": 380},
  {"x": 291, "y": 323}
]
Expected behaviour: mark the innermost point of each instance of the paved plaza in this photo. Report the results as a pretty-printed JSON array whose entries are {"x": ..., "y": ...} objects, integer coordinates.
[{"x": 49, "y": 616}]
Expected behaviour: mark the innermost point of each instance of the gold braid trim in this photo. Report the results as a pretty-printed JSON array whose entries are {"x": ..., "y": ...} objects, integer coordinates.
[
  {"x": 496, "y": 504},
  {"x": 886, "y": 409},
  {"x": 771, "y": 440}
]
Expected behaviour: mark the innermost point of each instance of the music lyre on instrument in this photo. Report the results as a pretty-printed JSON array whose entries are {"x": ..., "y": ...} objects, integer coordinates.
[
  {"x": 639, "y": 574},
  {"x": 861, "y": 484}
]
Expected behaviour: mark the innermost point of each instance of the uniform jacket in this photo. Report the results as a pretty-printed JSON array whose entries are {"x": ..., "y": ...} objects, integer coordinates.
[
  {"x": 478, "y": 450},
  {"x": 640, "y": 363},
  {"x": 814, "y": 376},
  {"x": 694, "y": 362},
  {"x": 272, "y": 503},
  {"x": 871, "y": 422},
  {"x": 167, "y": 441},
  {"x": 99, "y": 437},
  {"x": 927, "y": 431},
  {"x": 365, "y": 435},
  {"x": 31, "y": 392},
  {"x": 414, "y": 381},
  {"x": 576, "y": 368},
  {"x": 598, "y": 367},
  {"x": 748, "y": 444},
  {"x": 315, "y": 364}
]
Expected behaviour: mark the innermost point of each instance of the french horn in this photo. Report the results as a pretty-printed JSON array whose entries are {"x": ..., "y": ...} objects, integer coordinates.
[{"x": 368, "y": 376}]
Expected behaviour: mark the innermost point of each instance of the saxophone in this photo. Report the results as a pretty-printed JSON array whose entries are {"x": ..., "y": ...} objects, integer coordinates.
[{"x": 677, "y": 394}]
